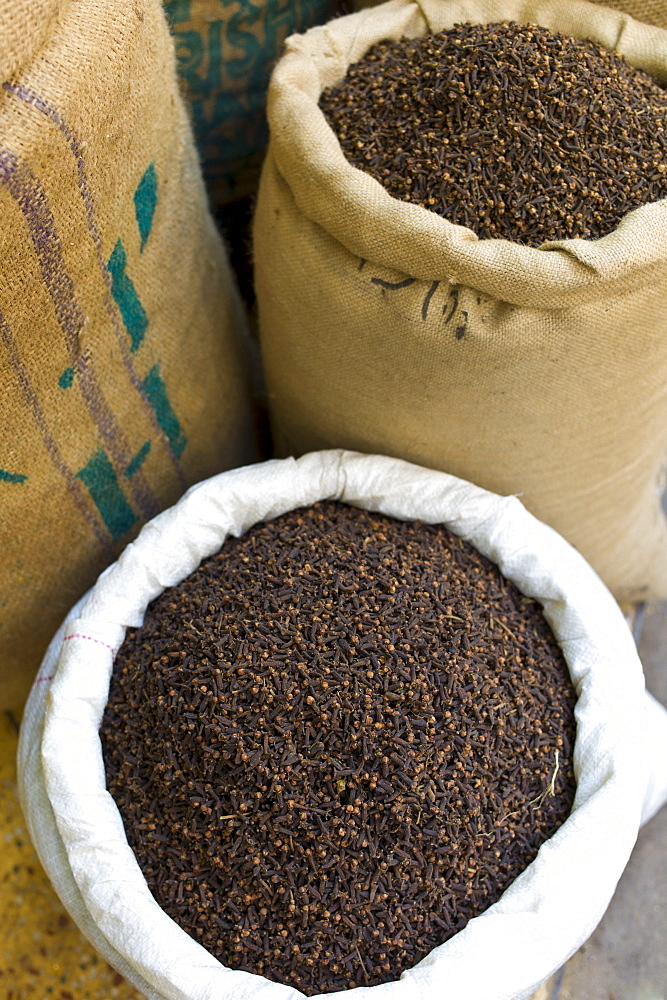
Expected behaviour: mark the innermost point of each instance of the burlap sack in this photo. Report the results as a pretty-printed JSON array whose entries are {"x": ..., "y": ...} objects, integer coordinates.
[
  {"x": 541, "y": 372},
  {"x": 121, "y": 376},
  {"x": 650, "y": 11},
  {"x": 547, "y": 912},
  {"x": 226, "y": 50}
]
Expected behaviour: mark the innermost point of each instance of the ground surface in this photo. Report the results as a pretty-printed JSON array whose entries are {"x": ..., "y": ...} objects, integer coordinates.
[{"x": 626, "y": 958}]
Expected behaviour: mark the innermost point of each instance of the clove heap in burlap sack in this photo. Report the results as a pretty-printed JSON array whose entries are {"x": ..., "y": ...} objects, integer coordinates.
[
  {"x": 121, "y": 372},
  {"x": 536, "y": 370}
]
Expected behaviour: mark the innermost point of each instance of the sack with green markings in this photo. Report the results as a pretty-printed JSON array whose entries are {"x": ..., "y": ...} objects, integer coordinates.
[
  {"x": 226, "y": 51},
  {"x": 121, "y": 336}
]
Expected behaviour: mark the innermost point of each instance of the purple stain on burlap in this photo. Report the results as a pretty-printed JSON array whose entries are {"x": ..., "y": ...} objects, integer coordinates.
[{"x": 33, "y": 99}]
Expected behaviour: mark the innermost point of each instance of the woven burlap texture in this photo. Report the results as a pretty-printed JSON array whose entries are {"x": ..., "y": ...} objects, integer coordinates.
[{"x": 649, "y": 11}]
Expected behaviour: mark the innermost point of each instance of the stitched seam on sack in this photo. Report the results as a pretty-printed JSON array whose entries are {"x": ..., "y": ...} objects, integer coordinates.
[{"x": 77, "y": 635}]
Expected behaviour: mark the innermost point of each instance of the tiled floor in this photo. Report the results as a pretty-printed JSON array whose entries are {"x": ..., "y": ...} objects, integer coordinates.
[{"x": 43, "y": 956}]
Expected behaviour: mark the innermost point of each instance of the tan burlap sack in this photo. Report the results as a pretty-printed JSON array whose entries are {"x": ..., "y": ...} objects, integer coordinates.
[
  {"x": 650, "y": 11},
  {"x": 385, "y": 328},
  {"x": 121, "y": 375},
  {"x": 226, "y": 50}
]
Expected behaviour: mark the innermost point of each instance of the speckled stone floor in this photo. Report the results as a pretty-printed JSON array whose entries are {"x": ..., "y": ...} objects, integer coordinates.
[{"x": 43, "y": 956}]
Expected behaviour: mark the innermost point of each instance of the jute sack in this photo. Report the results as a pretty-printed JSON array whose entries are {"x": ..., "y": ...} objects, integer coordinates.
[
  {"x": 121, "y": 374},
  {"x": 650, "y": 11},
  {"x": 384, "y": 327},
  {"x": 226, "y": 50},
  {"x": 545, "y": 915}
]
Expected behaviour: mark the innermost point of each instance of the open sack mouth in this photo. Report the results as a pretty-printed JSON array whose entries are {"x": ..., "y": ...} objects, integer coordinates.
[
  {"x": 503, "y": 121},
  {"x": 96, "y": 868},
  {"x": 338, "y": 740},
  {"x": 514, "y": 131}
]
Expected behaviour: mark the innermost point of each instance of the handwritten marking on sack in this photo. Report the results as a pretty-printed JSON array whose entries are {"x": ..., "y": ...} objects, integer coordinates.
[
  {"x": 136, "y": 322},
  {"x": 452, "y": 304},
  {"x": 450, "y": 309},
  {"x": 393, "y": 285},
  {"x": 44, "y": 107},
  {"x": 99, "y": 478},
  {"x": 461, "y": 330},
  {"x": 427, "y": 298},
  {"x": 42, "y": 680},
  {"x": 12, "y": 477},
  {"x": 78, "y": 635}
]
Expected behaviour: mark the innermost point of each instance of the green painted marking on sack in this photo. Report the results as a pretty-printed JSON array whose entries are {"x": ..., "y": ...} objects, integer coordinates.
[
  {"x": 216, "y": 122},
  {"x": 100, "y": 480},
  {"x": 138, "y": 460},
  {"x": 126, "y": 298},
  {"x": 11, "y": 477},
  {"x": 193, "y": 50},
  {"x": 156, "y": 391},
  {"x": 145, "y": 200},
  {"x": 66, "y": 378},
  {"x": 177, "y": 11},
  {"x": 229, "y": 121}
]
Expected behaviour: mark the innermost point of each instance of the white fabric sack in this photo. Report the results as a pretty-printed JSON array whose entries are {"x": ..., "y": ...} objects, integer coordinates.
[{"x": 544, "y": 916}]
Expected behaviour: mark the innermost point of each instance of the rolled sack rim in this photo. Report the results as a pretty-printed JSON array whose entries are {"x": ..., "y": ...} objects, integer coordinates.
[
  {"x": 372, "y": 225},
  {"x": 525, "y": 934}
]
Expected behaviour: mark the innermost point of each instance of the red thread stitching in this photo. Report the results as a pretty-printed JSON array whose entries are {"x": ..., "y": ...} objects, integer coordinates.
[
  {"x": 41, "y": 679},
  {"x": 79, "y": 636}
]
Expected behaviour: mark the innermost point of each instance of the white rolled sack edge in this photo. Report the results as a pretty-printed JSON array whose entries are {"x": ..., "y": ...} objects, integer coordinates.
[{"x": 550, "y": 909}]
